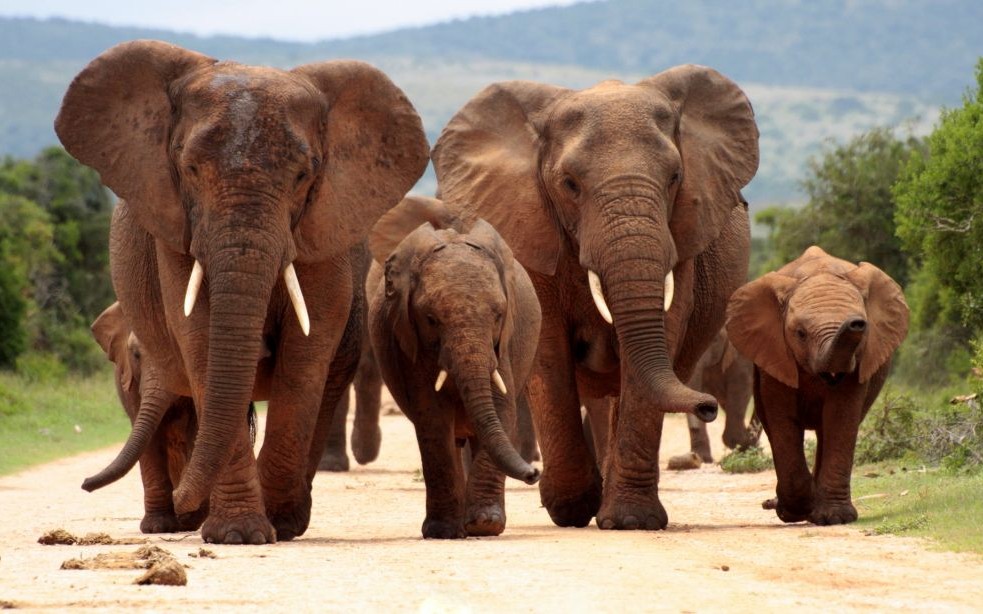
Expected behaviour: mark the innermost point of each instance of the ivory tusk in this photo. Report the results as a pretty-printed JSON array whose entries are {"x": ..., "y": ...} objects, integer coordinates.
[
  {"x": 669, "y": 286},
  {"x": 297, "y": 298},
  {"x": 497, "y": 378},
  {"x": 598, "y": 295},
  {"x": 194, "y": 284},
  {"x": 441, "y": 378}
]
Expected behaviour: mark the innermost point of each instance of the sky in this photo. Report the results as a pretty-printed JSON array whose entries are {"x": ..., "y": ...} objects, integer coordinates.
[{"x": 297, "y": 20}]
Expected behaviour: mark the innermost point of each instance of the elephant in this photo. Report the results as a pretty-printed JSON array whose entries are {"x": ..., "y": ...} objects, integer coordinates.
[
  {"x": 821, "y": 333},
  {"x": 623, "y": 202},
  {"x": 453, "y": 315},
  {"x": 246, "y": 194},
  {"x": 170, "y": 418}
]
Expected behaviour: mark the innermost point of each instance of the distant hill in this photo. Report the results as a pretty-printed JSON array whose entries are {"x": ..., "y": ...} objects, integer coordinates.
[{"x": 813, "y": 70}]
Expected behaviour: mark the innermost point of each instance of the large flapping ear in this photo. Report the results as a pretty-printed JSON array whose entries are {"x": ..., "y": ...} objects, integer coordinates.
[
  {"x": 401, "y": 275},
  {"x": 116, "y": 117},
  {"x": 756, "y": 326},
  {"x": 487, "y": 157},
  {"x": 112, "y": 333},
  {"x": 718, "y": 142},
  {"x": 487, "y": 238},
  {"x": 375, "y": 151},
  {"x": 887, "y": 316},
  {"x": 406, "y": 217}
]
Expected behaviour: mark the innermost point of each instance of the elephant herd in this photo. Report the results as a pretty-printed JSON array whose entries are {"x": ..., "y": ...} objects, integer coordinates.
[{"x": 586, "y": 248}]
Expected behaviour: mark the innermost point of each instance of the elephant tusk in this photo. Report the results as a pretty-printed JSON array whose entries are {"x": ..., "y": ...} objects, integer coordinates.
[
  {"x": 441, "y": 378},
  {"x": 497, "y": 378},
  {"x": 194, "y": 284},
  {"x": 297, "y": 298},
  {"x": 669, "y": 285},
  {"x": 598, "y": 295}
]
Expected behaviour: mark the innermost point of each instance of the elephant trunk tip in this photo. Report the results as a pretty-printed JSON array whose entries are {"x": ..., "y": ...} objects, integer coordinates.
[
  {"x": 185, "y": 501},
  {"x": 92, "y": 483},
  {"x": 531, "y": 476},
  {"x": 706, "y": 410}
]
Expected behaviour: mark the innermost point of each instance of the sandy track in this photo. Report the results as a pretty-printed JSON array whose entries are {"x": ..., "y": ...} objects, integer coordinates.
[{"x": 364, "y": 551}]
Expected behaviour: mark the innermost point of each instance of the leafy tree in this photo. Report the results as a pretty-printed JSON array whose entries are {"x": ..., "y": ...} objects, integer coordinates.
[
  {"x": 850, "y": 211},
  {"x": 940, "y": 206}
]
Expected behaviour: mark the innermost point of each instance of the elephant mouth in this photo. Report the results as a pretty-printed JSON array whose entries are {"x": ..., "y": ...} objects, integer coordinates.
[{"x": 832, "y": 379}]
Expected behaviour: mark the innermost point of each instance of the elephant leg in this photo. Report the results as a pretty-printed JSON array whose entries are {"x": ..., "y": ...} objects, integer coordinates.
[
  {"x": 699, "y": 439},
  {"x": 570, "y": 487},
  {"x": 444, "y": 479},
  {"x": 631, "y": 479},
  {"x": 484, "y": 513},
  {"x": 366, "y": 434},
  {"x": 596, "y": 427},
  {"x": 837, "y": 439},
  {"x": 180, "y": 427},
  {"x": 776, "y": 405},
  {"x": 528, "y": 448},
  {"x": 236, "y": 514},
  {"x": 159, "y": 516},
  {"x": 335, "y": 456}
]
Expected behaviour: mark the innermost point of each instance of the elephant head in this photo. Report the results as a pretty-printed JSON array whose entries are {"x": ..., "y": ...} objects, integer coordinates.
[
  {"x": 625, "y": 180},
  {"x": 451, "y": 298},
  {"x": 821, "y": 316},
  {"x": 246, "y": 170}
]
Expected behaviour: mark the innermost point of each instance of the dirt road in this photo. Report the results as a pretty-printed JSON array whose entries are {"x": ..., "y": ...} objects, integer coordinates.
[{"x": 364, "y": 552}]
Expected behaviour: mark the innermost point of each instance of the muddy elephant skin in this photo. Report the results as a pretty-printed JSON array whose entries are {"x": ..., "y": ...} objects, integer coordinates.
[
  {"x": 246, "y": 193},
  {"x": 623, "y": 203},
  {"x": 821, "y": 333},
  {"x": 454, "y": 326}
]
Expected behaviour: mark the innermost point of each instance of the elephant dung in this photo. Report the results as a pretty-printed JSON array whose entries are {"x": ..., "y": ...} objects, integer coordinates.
[{"x": 684, "y": 462}]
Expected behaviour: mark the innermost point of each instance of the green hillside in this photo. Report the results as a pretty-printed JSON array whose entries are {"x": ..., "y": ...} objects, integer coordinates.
[{"x": 814, "y": 71}]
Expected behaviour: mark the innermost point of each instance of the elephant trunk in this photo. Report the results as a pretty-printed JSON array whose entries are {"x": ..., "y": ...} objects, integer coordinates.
[
  {"x": 241, "y": 276},
  {"x": 841, "y": 353},
  {"x": 154, "y": 403},
  {"x": 635, "y": 286},
  {"x": 474, "y": 384}
]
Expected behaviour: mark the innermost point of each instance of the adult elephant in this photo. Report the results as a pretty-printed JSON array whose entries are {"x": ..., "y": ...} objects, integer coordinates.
[
  {"x": 247, "y": 184},
  {"x": 611, "y": 196}
]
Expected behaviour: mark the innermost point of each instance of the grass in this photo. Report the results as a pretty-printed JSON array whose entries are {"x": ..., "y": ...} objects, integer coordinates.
[
  {"x": 921, "y": 502},
  {"x": 748, "y": 460},
  {"x": 38, "y": 418}
]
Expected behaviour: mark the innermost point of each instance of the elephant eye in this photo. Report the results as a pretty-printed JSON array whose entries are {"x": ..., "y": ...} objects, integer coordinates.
[
  {"x": 302, "y": 175},
  {"x": 571, "y": 185},
  {"x": 674, "y": 179},
  {"x": 193, "y": 169},
  {"x": 431, "y": 320},
  {"x": 801, "y": 334}
]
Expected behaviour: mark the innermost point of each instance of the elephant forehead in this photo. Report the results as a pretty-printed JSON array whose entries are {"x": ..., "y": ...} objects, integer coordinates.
[
  {"x": 615, "y": 104},
  {"x": 227, "y": 84},
  {"x": 459, "y": 274},
  {"x": 826, "y": 296}
]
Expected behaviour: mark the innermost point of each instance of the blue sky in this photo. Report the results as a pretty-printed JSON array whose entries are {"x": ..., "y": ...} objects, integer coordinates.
[{"x": 301, "y": 20}]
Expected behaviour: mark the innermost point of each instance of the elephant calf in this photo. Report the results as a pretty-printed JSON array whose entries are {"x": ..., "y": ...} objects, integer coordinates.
[
  {"x": 821, "y": 333},
  {"x": 454, "y": 325}
]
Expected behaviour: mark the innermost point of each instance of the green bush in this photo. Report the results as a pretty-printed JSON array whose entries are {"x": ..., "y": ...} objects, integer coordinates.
[
  {"x": 41, "y": 367},
  {"x": 13, "y": 337},
  {"x": 747, "y": 460}
]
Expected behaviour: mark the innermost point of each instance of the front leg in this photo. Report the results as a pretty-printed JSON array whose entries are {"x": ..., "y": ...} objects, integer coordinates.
[
  {"x": 570, "y": 487},
  {"x": 841, "y": 418},
  {"x": 777, "y": 404},
  {"x": 443, "y": 475}
]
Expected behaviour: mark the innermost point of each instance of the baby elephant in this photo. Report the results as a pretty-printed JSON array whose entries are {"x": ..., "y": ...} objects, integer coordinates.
[
  {"x": 821, "y": 333},
  {"x": 164, "y": 427},
  {"x": 454, "y": 325}
]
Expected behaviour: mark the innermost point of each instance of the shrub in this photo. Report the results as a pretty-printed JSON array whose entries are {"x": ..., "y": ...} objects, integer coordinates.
[
  {"x": 41, "y": 367},
  {"x": 747, "y": 460}
]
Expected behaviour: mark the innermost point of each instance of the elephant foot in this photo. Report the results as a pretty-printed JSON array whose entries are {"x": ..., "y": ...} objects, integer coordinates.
[
  {"x": 160, "y": 522},
  {"x": 366, "y": 443},
  {"x": 633, "y": 515},
  {"x": 291, "y": 518},
  {"x": 436, "y": 528},
  {"x": 252, "y": 528},
  {"x": 333, "y": 462},
  {"x": 795, "y": 511},
  {"x": 485, "y": 520},
  {"x": 833, "y": 513},
  {"x": 576, "y": 511},
  {"x": 192, "y": 520}
]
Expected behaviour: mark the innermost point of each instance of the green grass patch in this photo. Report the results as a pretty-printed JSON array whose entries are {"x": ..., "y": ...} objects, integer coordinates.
[
  {"x": 39, "y": 415},
  {"x": 747, "y": 460},
  {"x": 932, "y": 503}
]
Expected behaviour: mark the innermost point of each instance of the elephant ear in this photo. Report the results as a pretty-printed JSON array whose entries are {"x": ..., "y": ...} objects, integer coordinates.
[
  {"x": 401, "y": 275},
  {"x": 116, "y": 117},
  {"x": 375, "y": 151},
  {"x": 484, "y": 236},
  {"x": 756, "y": 326},
  {"x": 887, "y": 316},
  {"x": 487, "y": 158},
  {"x": 406, "y": 217},
  {"x": 718, "y": 141},
  {"x": 112, "y": 334}
]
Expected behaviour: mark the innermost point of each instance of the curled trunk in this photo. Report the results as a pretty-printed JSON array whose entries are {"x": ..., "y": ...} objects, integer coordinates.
[{"x": 841, "y": 355}]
